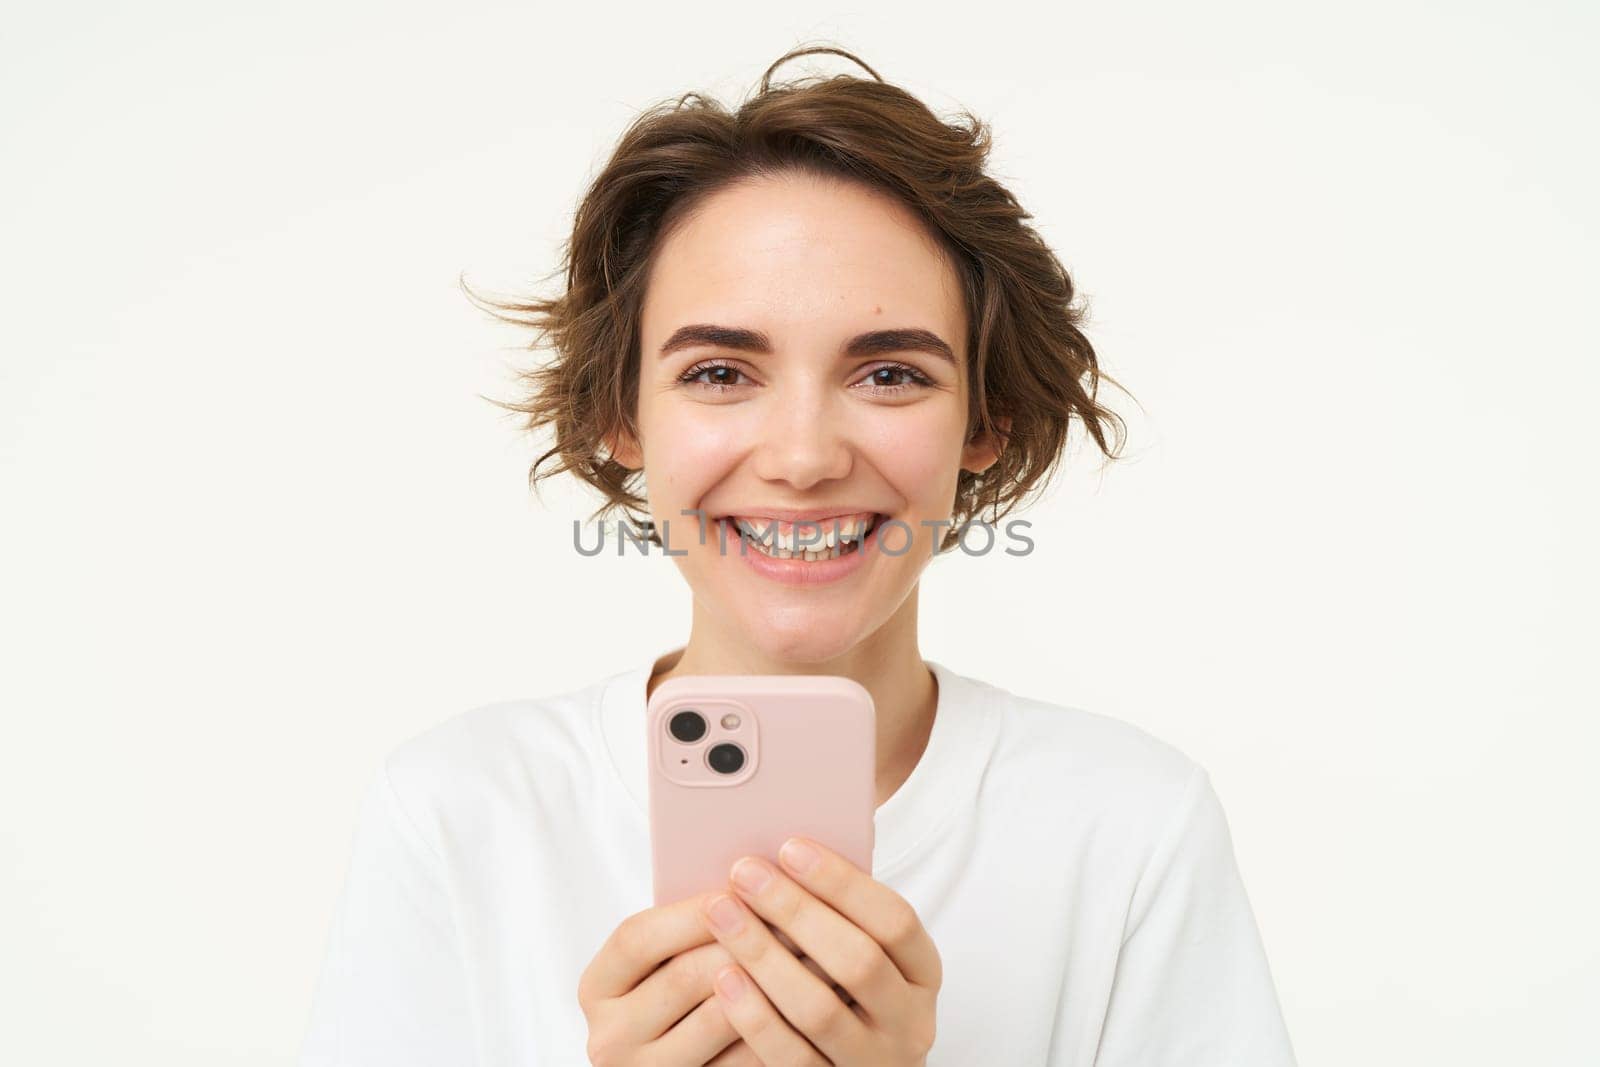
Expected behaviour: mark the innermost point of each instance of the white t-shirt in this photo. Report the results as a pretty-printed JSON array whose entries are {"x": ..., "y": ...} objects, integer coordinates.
[{"x": 1076, "y": 875}]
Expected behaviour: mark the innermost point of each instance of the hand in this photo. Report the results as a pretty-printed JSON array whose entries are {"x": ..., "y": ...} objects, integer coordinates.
[
  {"x": 862, "y": 933},
  {"x": 671, "y": 1016}
]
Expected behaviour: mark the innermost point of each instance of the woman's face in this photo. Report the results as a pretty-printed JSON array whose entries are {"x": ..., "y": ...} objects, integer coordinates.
[{"x": 788, "y": 408}]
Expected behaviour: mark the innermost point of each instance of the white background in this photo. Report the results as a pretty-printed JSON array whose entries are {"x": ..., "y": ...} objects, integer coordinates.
[{"x": 260, "y": 527}]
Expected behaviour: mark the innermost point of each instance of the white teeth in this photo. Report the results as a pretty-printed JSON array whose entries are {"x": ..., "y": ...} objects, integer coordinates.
[{"x": 836, "y": 535}]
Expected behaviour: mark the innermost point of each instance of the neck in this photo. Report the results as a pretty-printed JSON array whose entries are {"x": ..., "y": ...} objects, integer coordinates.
[{"x": 887, "y": 663}]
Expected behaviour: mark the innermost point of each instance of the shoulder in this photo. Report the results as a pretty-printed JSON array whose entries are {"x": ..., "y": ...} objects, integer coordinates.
[
  {"x": 1088, "y": 771},
  {"x": 494, "y": 752},
  {"x": 1083, "y": 744}
]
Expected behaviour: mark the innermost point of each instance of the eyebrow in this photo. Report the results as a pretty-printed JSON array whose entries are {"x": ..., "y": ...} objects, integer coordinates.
[{"x": 871, "y": 343}]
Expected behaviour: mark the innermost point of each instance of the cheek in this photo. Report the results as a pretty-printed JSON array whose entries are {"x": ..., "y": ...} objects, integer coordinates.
[
  {"x": 685, "y": 455},
  {"x": 920, "y": 457}
]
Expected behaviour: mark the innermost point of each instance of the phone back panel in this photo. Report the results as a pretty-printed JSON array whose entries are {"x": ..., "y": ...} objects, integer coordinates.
[{"x": 809, "y": 745}]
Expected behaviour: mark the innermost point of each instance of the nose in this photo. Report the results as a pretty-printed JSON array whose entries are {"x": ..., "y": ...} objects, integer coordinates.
[{"x": 803, "y": 437}]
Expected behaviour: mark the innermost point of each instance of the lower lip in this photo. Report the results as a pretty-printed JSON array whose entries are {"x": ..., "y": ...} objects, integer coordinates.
[{"x": 800, "y": 571}]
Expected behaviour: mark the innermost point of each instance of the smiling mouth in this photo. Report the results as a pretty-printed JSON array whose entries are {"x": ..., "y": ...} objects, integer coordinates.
[{"x": 808, "y": 540}]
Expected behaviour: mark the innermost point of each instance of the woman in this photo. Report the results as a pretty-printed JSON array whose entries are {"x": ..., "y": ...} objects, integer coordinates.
[{"x": 817, "y": 309}]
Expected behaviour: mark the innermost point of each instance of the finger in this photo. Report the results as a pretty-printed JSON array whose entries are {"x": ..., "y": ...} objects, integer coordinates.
[
  {"x": 738, "y": 1054},
  {"x": 649, "y": 1011},
  {"x": 639, "y": 944},
  {"x": 846, "y": 953},
  {"x": 763, "y": 1028},
  {"x": 810, "y": 964},
  {"x": 884, "y": 915},
  {"x": 702, "y": 1034},
  {"x": 799, "y": 996}
]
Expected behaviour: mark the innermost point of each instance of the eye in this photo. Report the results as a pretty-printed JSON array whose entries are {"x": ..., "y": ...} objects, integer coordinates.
[
  {"x": 914, "y": 378},
  {"x": 720, "y": 384},
  {"x": 890, "y": 378}
]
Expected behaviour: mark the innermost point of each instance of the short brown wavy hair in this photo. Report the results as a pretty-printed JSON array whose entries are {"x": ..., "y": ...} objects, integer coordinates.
[{"x": 1027, "y": 359}]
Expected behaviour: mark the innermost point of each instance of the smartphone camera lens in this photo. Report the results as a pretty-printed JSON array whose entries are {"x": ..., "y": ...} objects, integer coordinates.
[
  {"x": 688, "y": 726},
  {"x": 725, "y": 758}
]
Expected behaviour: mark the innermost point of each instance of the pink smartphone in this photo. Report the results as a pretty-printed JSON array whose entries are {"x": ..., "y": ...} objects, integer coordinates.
[{"x": 740, "y": 762}]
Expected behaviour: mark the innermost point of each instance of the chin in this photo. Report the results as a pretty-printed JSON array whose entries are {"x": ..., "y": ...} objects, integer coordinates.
[{"x": 811, "y": 644}]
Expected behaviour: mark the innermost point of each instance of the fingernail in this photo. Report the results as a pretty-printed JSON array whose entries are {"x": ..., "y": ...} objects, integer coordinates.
[
  {"x": 730, "y": 983},
  {"x": 751, "y": 875},
  {"x": 725, "y": 915},
  {"x": 797, "y": 855}
]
